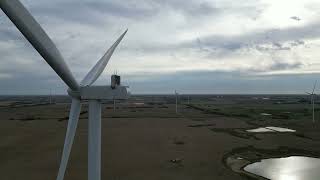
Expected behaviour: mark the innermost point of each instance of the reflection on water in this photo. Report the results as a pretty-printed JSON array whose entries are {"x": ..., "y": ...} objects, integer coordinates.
[
  {"x": 265, "y": 114},
  {"x": 270, "y": 129},
  {"x": 257, "y": 130},
  {"x": 280, "y": 129},
  {"x": 289, "y": 168}
]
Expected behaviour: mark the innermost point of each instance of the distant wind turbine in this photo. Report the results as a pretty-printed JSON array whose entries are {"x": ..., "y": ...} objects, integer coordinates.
[
  {"x": 176, "y": 94},
  {"x": 50, "y": 98},
  {"x": 312, "y": 98}
]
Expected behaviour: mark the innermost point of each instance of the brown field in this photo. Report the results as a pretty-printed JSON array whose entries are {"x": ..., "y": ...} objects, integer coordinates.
[{"x": 146, "y": 141}]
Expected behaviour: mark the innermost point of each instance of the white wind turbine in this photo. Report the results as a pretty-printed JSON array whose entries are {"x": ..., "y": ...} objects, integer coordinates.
[
  {"x": 32, "y": 31},
  {"x": 176, "y": 94},
  {"x": 312, "y": 98},
  {"x": 50, "y": 96}
]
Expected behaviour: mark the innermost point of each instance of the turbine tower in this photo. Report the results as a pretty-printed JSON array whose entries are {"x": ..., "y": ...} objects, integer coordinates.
[
  {"x": 33, "y": 32},
  {"x": 176, "y": 94},
  {"x": 312, "y": 98},
  {"x": 50, "y": 96}
]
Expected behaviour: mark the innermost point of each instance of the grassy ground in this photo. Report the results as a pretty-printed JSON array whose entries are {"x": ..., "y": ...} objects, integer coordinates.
[{"x": 151, "y": 141}]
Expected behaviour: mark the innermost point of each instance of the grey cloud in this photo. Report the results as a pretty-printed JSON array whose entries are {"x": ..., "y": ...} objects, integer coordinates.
[
  {"x": 275, "y": 65},
  {"x": 92, "y": 12},
  {"x": 197, "y": 9},
  {"x": 271, "y": 47},
  {"x": 215, "y": 82},
  {"x": 295, "y": 18},
  {"x": 9, "y": 34},
  {"x": 68, "y": 14},
  {"x": 192, "y": 8},
  {"x": 267, "y": 40},
  {"x": 276, "y": 37},
  {"x": 83, "y": 11},
  {"x": 297, "y": 43},
  {"x": 284, "y": 66}
]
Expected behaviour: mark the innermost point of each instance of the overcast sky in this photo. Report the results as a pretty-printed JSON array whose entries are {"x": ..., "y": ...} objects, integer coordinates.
[{"x": 194, "y": 46}]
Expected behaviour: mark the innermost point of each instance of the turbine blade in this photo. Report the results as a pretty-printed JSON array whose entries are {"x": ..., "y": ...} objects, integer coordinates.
[
  {"x": 71, "y": 131},
  {"x": 308, "y": 93},
  {"x": 314, "y": 86},
  {"x": 33, "y": 32},
  {"x": 95, "y": 72}
]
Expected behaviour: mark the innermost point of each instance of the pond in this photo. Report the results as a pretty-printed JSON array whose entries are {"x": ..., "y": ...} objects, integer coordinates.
[
  {"x": 287, "y": 168},
  {"x": 259, "y": 130},
  {"x": 270, "y": 129}
]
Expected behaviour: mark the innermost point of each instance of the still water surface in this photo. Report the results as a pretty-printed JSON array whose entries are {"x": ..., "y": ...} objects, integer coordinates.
[
  {"x": 270, "y": 129},
  {"x": 288, "y": 168}
]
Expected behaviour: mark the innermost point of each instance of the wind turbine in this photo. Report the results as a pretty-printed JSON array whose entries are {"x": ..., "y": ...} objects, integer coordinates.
[
  {"x": 176, "y": 94},
  {"x": 50, "y": 96},
  {"x": 33, "y": 32},
  {"x": 312, "y": 97}
]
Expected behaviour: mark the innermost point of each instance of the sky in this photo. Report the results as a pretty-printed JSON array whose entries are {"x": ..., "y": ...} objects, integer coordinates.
[{"x": 194, "y": 46}]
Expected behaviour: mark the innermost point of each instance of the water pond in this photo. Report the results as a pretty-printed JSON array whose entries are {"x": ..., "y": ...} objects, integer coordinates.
[
  {"x": 287, "y": 168},
  {"x": 270, "y": 129}
]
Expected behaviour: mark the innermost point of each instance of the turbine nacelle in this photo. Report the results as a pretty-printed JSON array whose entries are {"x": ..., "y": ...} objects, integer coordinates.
[
  {"x": 112, "y": 92},
  {"x": 101, "y": 93}
]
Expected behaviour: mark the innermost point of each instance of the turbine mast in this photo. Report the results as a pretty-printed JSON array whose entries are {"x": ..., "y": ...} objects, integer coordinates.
[
  {"x": 94, "y": 140},
  {"x": 176, "y": 94}
]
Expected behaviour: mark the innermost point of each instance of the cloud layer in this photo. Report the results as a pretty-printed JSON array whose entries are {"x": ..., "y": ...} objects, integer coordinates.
[{"x": 171, "y": 44}]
